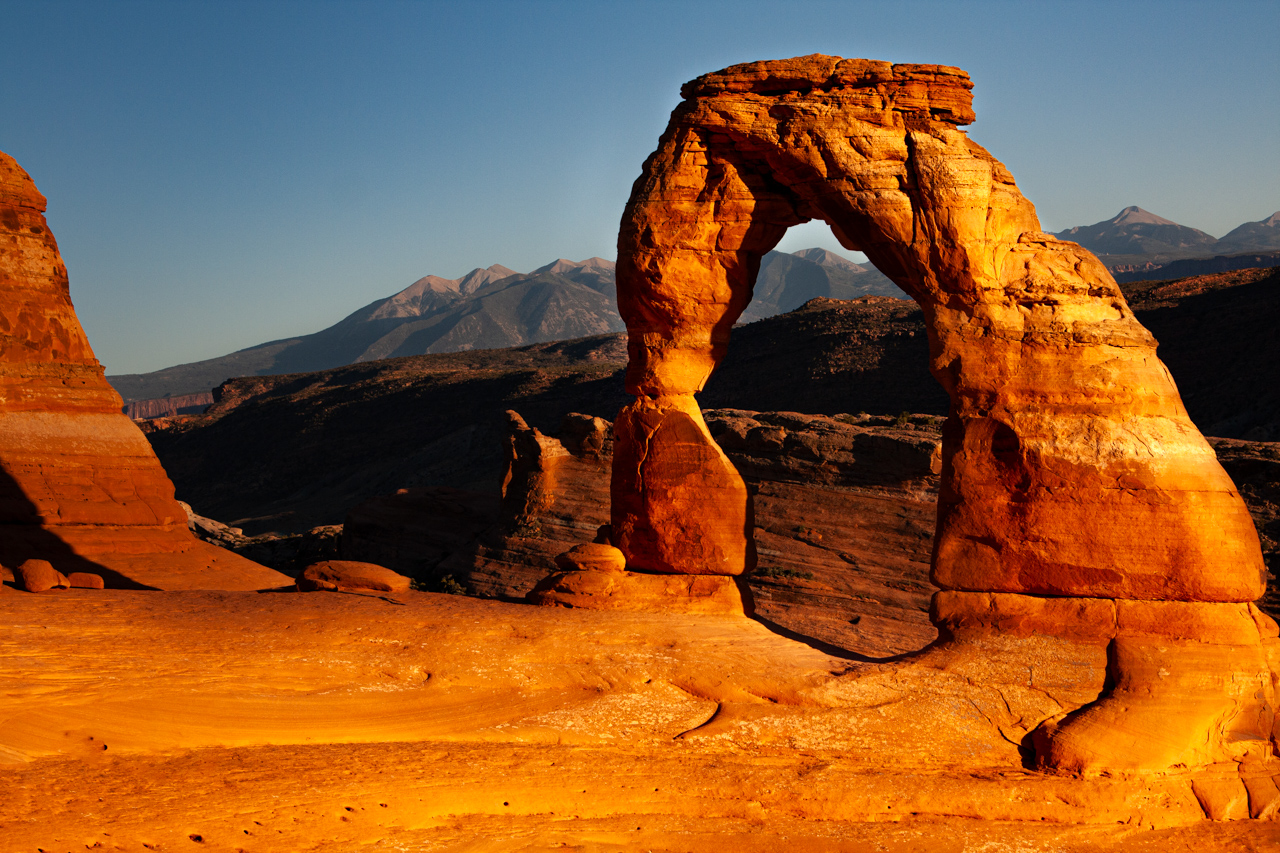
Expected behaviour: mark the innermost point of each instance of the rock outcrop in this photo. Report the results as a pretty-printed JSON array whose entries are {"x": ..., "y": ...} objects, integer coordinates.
[
  {"x": 1070, "y": 469},
  {"x": 351, "y": 576},
  {"x": 843, "y": 521},
  {"x": 80, "y": 486}
]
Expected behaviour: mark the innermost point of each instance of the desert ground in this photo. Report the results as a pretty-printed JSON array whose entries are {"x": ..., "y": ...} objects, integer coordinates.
[{"x": 284, "y": 721}]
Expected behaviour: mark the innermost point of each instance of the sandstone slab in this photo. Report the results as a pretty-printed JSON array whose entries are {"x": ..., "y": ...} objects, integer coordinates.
[
  {"x": 611, "y": 589},
  {"x": 85, "y": 580},
  {"x": 351, "y": 576}
]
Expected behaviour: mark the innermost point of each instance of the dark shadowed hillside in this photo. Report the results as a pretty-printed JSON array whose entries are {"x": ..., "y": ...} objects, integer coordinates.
[{"x": 297, "y": 451}]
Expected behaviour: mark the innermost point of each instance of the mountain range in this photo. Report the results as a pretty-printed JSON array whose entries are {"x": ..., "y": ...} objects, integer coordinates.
[
  {"x": 291, "y": 452},
  {"x": 1136, "y": 238},
  {"x": 496, "y": 307},
  {"x": 492, "y": 308}
]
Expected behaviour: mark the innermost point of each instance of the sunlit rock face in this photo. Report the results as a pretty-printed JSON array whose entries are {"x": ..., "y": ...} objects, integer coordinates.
[
  {"x": 79, "y": 484},
  {"x": 1069, "y": 466}
]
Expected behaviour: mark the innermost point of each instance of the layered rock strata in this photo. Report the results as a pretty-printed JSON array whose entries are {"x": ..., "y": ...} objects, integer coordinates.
[
  {"x": 1069, "y": 466},
  {"x": 80, "y": 486},
  {"x": 843, "y": 521}
]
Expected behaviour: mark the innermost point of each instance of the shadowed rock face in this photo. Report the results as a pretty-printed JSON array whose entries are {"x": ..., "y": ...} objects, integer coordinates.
[
  {"x": 79, "y": 484},
  {"x": 1070, "y": 468}
]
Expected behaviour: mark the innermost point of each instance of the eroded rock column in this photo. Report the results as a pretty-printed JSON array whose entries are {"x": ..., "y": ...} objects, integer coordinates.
[
  {"x": 1070, "y": 467},
  {"x": 79, "y": 483}
]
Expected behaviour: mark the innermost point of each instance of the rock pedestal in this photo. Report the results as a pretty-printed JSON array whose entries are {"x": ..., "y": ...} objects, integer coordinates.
[
  {"x": 1070, "y": 470},
  {"x": 79, "y": 484},
  {"x": 594, "y": 577}
]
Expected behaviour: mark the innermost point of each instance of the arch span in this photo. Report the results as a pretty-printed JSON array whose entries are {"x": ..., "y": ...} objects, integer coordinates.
[{"x": 1070, "y": 467}]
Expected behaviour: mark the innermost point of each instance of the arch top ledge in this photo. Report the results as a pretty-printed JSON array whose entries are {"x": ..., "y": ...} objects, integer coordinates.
[{"x": 939, "y": 92}]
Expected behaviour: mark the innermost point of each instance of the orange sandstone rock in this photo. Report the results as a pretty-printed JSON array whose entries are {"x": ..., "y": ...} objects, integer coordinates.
[
  {"x": 351, "y": 576},
  {"x": 592, "y": 556},
  {"x": 1070, "y": 469},
  {"x": 85, "y": 580},
  {"x": 679, "y": 505},
  {"x": 39, "y": 576},
  {"x": 80, "y": 484},
  {"x": 1069, "y": 464},
  {"x": 609, "y": 589}
]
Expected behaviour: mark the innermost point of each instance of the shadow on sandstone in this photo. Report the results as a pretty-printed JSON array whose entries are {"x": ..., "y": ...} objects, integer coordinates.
[{"x": 22, "y": 537}]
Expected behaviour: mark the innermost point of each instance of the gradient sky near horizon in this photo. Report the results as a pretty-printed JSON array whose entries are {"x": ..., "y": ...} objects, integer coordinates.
[{"x": 221, "y": 174}]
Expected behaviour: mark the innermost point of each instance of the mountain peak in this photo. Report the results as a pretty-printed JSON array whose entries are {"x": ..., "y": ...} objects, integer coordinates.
[
  {"x": 561, "y": 265},
  {"x": 822, "y": 257},
  {"x": 478, "y": 278},
  {"x": 1134, "y": 231},
  {"x": 1134, "y": 215}
]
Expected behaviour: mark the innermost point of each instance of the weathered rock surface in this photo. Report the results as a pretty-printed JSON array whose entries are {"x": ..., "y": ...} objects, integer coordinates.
[
  {"x": 1066, "y": 434},
  {"x": 85, "y": 580},
  {"x": 351, "y": 576},
  {"x": 447, "y": 723},
  {"x": 80, "y": 486}
]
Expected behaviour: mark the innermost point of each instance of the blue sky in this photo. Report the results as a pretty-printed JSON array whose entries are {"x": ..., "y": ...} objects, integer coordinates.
[{"x": 222, "y": 174}]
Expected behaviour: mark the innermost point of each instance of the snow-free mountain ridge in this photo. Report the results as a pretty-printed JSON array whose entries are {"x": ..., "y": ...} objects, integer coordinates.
[
  {"x": 491, "y": 308},
  {"x": 1135, "y": 237}
]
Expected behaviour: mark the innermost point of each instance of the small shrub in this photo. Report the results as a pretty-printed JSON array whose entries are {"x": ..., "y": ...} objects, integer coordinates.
[
  {"x": 447, "y": 584},
  {"x": 450, "y": 586}
]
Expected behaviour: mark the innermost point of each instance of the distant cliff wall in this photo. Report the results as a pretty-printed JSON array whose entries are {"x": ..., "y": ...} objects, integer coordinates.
[{"x": 165, "y": 407}]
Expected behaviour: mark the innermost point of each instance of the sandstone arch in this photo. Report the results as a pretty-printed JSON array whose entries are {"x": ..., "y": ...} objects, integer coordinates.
[
  {"x": 1071, "y": 470},
  {"x": 79, "y": 483}
]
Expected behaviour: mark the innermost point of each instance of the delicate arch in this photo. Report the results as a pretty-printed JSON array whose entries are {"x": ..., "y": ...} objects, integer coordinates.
[
  {"x": 1077, "y": 497},
  {"x": 1066, "y": 433}
]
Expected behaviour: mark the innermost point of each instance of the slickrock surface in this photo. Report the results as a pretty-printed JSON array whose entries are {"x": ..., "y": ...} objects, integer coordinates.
[
  {"x": 1069, "y": 465},
  {"x": 81, "y": 487},
  {"x": 288, "y": 722}
]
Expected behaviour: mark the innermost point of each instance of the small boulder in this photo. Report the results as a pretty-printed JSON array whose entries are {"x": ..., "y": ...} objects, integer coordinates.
[
  {"x": 593, "y": 557},
  {"x": 85, "y": 580},
  {"x": 39, "y": 576},
  {"x": 349, "y": 575}
]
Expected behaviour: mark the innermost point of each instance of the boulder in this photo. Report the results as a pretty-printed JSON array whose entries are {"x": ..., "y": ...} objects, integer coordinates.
[
  {"x": 592, "y": 557},
  {"x": 351, "y": 576},
  {"x": 85, "y": 580},
  {"x": 39, "y": 576}
]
